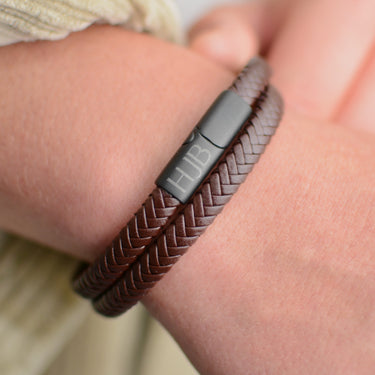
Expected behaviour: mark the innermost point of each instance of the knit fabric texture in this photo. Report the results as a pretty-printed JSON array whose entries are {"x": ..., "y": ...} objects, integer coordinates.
[{"x": 28, "y": 20}]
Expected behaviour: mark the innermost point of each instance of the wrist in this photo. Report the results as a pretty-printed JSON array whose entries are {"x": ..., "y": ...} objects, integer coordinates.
[{"x": 83, "y": 183}]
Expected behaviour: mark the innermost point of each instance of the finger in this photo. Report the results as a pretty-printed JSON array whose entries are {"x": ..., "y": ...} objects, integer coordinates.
[
  {"x": 359, "y": 109},
  {"x": 231, "y": 35},
  {"x": 225, "y": 36},
  {"x": 320, "y": 50}
]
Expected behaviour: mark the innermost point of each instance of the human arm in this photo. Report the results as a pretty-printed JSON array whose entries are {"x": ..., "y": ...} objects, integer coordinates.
[{"x": 67, "y": 191}]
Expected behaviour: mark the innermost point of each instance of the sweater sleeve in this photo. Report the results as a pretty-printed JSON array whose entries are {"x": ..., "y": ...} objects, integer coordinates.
[
  {"x": 22, "y": 20},
  {"x": 38, "y": 311}
]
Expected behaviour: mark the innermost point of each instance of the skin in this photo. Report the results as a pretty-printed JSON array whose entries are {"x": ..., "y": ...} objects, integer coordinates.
[{"x": 283, "y": 281}]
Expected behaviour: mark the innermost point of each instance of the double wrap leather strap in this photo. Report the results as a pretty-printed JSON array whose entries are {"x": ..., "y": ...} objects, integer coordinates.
[
  {"x": 151, "y": 218},
  {"x": 145, "y": 225},
  {"x": 163, "y": 229}
]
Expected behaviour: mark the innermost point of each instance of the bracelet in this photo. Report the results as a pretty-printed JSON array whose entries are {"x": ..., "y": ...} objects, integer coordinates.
[
  {"x": 152, "y": 217},
  {"x": 191, "y": 191}
]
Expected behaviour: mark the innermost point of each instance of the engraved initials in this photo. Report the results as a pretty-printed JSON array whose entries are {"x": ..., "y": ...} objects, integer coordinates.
[
  {"x": 202, "y": 156},
  {"x": 180, "y": 178},
  {"x": 197, "y": 157}
]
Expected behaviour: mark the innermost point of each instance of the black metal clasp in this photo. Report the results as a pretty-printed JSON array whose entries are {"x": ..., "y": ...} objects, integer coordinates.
[{"x": 197, "y": 156}]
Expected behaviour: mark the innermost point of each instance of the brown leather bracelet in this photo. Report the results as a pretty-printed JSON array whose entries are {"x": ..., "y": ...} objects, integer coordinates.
[
  {"x": 177, "y": 223},
  {"x": 206, "y": 204},
  {"x": 159, "y": 208}
]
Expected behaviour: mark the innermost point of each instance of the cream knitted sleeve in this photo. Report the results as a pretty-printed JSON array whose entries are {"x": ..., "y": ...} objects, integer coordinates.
[
  {"x": 27, "y": 20},
  {"x": 38, "y": 311}
]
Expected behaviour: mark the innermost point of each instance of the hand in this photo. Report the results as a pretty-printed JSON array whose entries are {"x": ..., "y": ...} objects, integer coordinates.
[{"x": 322, "y": 52}]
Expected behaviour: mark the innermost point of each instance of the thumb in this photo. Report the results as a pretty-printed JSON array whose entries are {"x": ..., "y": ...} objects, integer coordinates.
[
  {"x": 226, "y": 37},
  {"x": 231, "y": 35}
]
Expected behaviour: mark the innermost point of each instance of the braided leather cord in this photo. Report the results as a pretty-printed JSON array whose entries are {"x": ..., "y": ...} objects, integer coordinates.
[
  {"x": 200, "y": 211},
  {"x": 252, "y": 80},
  {"x": 147, "y": 224}
]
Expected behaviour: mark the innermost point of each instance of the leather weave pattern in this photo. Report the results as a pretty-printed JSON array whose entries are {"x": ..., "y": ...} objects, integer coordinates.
[
  {"x": 204, "y": 206},
  {"x": 158, "y": 209},
  {"x": 144, "y": 226}
]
